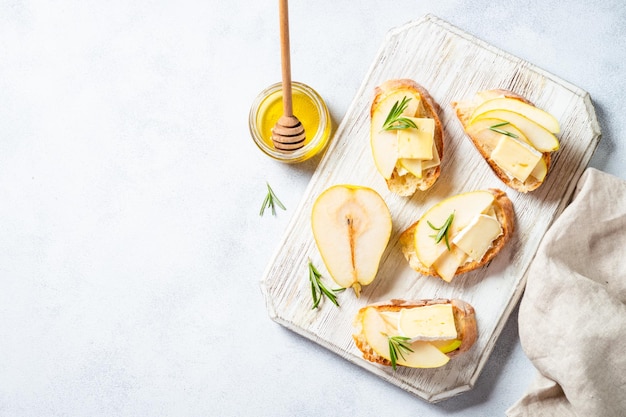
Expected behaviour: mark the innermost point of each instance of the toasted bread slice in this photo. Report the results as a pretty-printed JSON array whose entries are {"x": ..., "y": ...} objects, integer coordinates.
[
  {"x": 503, "y": 208},
  {"x": 406, "y": 185},
  {"x": 464, "y": 320},
  {"x": 465, "y": 109}
]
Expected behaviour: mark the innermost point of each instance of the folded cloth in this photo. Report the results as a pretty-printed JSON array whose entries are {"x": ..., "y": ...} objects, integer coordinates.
[{"x": 572, "y": 317}]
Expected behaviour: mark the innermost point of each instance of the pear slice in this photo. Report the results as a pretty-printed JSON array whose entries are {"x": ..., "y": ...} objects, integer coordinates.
[
  {"x": 414, "y": 166},
  {"x": 449, "y": 261},
  {"x": 465, "y": 207},
  {"x": 446, "y": 346},
  {"x": 391, "y": 318},
  {"x": 542, "y": 118},
  {"x": 488, "y": 138},
  {"x": 541, "y": 139},
  {"x": 351, "y": 226},
  {"x": 384, "y": 143},
  {"x": 540, "y": 171},
  {"x": 377, "y": 331}
]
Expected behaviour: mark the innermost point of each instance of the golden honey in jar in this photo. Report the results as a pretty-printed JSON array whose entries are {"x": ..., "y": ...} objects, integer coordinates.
[{"x": 308, "y": 107}]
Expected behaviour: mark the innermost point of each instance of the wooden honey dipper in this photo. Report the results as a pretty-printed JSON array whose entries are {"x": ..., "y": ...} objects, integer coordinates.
[{"x": 288, "y": 134}]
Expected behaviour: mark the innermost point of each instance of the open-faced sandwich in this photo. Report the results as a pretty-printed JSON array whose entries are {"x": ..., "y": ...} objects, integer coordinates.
[
  {"x": 459, "y": 234},
  {"x": 406, "y": 136},
  {"x": 416, "y": 334},
  {"x": 513, "y": 136}
]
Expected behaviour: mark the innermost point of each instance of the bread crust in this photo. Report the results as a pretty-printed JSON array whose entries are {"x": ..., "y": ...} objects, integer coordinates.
[
  {"x": 503, "y": 208},
  {"x": 464, "y": 110},
  {"x": 407, "y": 185},
  {"x": 464, "y": 320}
]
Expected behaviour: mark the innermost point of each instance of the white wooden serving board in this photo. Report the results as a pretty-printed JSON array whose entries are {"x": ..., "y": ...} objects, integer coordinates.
[{"x": 452, "y": 65}]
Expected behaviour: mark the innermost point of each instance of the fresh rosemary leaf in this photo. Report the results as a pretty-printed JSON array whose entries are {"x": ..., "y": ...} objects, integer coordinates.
[
  {"x": 500, "y": 124},
  {"x": 319, "y": 290},
  {"x": 314, "y": 292},
  {"x": 271, "y": 201},
  {"x": 442, "y": 232},
  {"x": 395, "y": 120},
  {"x": 265, "y": 204},
  {"x": 402, "y": 123},
  {"x": 396, "y": 110},
  {"x": 398, "y": 346},
  {"x": 502, "y": 131}
]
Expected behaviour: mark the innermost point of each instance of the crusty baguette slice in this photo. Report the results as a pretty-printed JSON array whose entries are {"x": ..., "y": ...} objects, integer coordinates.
[
  {"x": 464, "y": 110},
  {"x": 407, "y": 185},
  {"x": 464, "y": 320},
  {"x": 503, "y": 208}
]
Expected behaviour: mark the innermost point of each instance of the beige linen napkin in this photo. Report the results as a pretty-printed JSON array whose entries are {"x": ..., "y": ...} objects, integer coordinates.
[{"x": 572, "y": 318}]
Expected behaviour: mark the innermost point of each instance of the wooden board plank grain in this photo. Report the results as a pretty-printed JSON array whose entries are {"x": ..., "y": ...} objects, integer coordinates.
[{"x": 452, "y": 65}]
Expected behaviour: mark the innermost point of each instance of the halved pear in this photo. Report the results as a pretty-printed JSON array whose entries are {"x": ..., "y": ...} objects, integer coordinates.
[
  {"x": 537, "y": 135},
  {"x": 351, "y": 226},
  {"x": 465, "y": 207},
  {"x": 377, "y": 331},
  {"x": 384, "y": 143},
  {"x": 529, "y": 111}
]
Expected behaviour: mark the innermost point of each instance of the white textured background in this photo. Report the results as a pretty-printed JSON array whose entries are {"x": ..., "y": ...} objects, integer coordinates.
[{"x": 130, "y": 242}]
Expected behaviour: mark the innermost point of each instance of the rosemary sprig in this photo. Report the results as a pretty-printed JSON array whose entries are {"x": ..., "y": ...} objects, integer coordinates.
[
  {"x": 502, "y": 131},
  {"x": 398, "y": 346},
  {"x": 442, "y": 232},
  {"x": 270, "y": 201},
  {"x": 395, "y": 120},
  {"x": 319, "y": 290}
]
